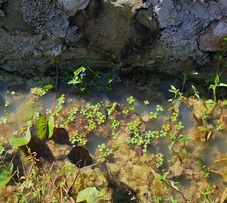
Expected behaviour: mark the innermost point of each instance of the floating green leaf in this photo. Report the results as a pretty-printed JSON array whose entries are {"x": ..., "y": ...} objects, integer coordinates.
[
  {"x": 41, "y": 127},
  {"x": 21, "y": 141},
  {"x": 89, "y": 194},
  {"x": 50, "y": 126},
  {"x": 6, "y": 173}
]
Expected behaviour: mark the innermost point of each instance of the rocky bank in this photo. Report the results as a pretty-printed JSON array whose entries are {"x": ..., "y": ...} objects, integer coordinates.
[{"x": 152, "y": 34}]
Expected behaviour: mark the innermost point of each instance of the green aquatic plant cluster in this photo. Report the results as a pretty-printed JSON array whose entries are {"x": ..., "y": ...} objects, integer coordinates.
[
  {"x": 104, "y": 152},
  {"x": 94, "y": 115},
  {"x": 85, "y": 78},
  {"x": 130, "y": 141}
]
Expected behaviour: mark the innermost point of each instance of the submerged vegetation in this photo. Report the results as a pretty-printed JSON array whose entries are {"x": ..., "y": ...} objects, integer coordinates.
[{"x": 61, "y": 148}]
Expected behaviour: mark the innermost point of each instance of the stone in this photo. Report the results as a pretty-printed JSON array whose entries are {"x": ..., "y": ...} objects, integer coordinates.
[
  {"x": 176, "y": 169},
  {"x": 48, "y": 19},
  {"x": 212, "y": 36},
  {"x": 72, "y": 6},
  {"x": 146, "y": 18},
  {"x": 152, "y": 34},
  {"x": 2, "y": 14},
  {"x": 145, "y": 117}
]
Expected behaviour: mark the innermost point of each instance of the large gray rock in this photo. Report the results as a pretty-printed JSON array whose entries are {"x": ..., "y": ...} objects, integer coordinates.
[
  {"x": 182, "y": 21},
  {"x": 212, "y": 37},
  {"x": 156, "y": 34},
  {"x": 72, "y": 6},
  {"x": 49, "y": 19}
]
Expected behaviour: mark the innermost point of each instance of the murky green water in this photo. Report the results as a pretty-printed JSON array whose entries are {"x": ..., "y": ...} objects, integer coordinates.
[{"x": 206, "y": 153}]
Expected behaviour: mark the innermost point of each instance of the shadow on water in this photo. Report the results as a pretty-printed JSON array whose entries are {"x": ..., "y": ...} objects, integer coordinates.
[{"x": 93, "y": 142}]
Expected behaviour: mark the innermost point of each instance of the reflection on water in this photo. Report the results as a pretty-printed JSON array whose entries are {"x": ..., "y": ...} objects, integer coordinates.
[{"x": 93, "y": 142}]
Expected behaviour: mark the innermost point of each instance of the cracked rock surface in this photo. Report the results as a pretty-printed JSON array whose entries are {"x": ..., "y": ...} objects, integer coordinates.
[{"x": 150, "y": 34}]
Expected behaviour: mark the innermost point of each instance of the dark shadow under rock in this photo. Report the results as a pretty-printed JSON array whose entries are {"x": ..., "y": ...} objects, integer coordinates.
[
  {"x": 40, "y": 148},
  {"x": 80, "y": 157},
  {"x": 124, "y": 194},
  {"x": 60, "y": 136}
]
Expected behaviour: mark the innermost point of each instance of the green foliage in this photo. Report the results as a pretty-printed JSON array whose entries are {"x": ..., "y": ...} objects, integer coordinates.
[
  {"x": 159, "y": 108},
  {"x": 115, "y": 124},
  {"x": 177, "y": 94},
  {"x": 104, "y": 152},
  {"x": 131, "y": 100},
  {"x": 6, "y": 173},
  {"x": 41, "y": 127},
  {"x": 3, "y": 120},
  {"x": 89, "y": 194},
  {"x": 60, "y": 103},
  {"x": 94, "y": 115},
  {"x": 78, "y": 76},
  {"x": 38, "y": 91},
  {"x": 50, "y": 126},
  {"x": 153, "y": 115},
  {"x": 180, "y": 138},
  {"x": 21, "y": 141},
  {"x": 81, "y": 140},
  {"x": 44, "y": 127},
  {"x": 146, "y": 102},
  {"x": 216, "y": 84},
  {"x": 160, "y": 160},
  {"x": 72, "y": 114},
  {"x": 196, "y": 92}
]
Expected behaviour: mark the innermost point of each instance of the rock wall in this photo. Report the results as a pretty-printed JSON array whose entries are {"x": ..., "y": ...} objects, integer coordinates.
[{"x": 154, "y": 33}]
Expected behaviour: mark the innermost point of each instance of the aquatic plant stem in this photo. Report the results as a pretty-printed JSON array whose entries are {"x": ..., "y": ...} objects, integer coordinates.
[
  {"x": 74, "y": 181},
  {"x": 185, "y": 199}
]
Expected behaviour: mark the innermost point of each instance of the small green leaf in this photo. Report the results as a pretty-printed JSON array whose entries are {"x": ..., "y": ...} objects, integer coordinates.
[
  {"x": 222, "y": 85},
  {"x": 48, "y": 87},
  {"x": 225, "y": 39},
  {"x": 78, "y": 78},
  {"x": 217, "y": 79},
  {"x": 50, "y": 126},
  {"x": 89, "y": 194},
  {"x": 21, "y": 141},
  {"x": 41, "y": 127},
  {"x": 209, "y": 135},
  {"x": 6, "y": 173}
]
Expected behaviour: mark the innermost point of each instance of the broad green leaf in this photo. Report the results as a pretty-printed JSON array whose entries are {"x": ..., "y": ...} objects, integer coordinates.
[
  {"x": 21, "y": 141},
  {"x": 89, "y": 194},
  {"x": 48, "y": 87},
  {"x": 6, "y": 173},
  {"x": 50, "y": 126},
  {"x": 41, "y": 127},
  {"x": 225, "y": 39}
]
